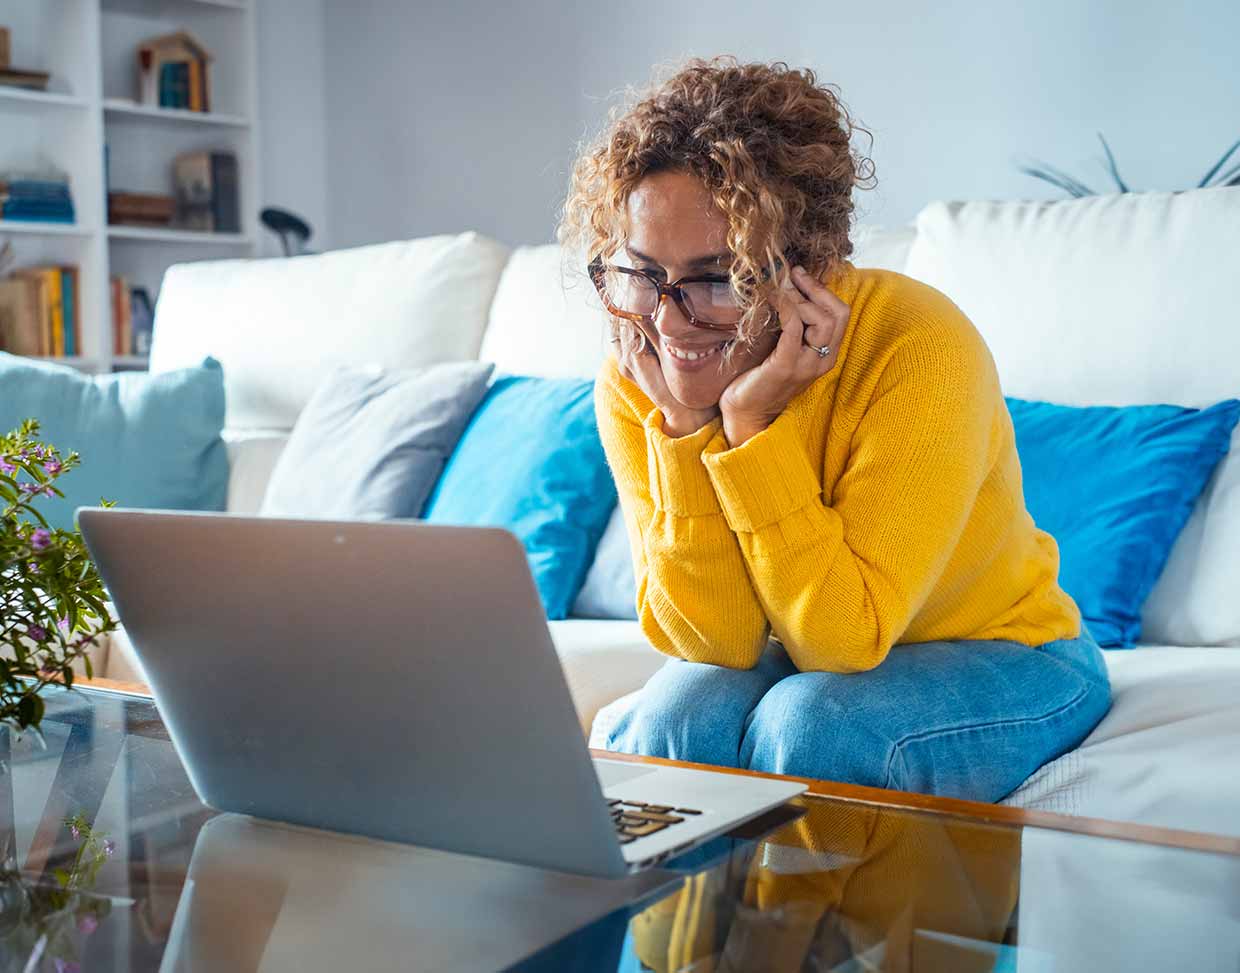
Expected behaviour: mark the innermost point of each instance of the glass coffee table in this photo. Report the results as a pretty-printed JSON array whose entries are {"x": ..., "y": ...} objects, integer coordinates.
[{"x": 111, "y": 863}]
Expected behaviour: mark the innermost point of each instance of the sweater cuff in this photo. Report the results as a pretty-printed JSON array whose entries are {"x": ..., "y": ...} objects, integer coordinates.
[
  {"x": 765, "y": 479},
  {"x": 679, "y": 484}
]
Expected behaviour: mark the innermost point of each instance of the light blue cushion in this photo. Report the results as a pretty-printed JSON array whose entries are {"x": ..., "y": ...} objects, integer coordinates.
[
  {"x": 610, "y": 590},
  {"x": 370, "y": 443},
  {"x": 1114, "y": 487},
  {"x": 145, "y": 440},
  {"x": 531, "y": 461}
]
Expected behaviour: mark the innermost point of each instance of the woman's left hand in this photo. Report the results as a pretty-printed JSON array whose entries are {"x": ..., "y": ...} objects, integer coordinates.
[{"x": 810, "y": 317}]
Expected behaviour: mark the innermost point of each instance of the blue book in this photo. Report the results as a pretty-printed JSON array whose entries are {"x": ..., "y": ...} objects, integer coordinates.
[
  {"x": 68, "y": 301},
  {"x": 167, "y": 86},
  {"x": 35, "y": 189}
]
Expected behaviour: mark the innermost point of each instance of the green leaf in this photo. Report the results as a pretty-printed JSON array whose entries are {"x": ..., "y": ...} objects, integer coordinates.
[
  {"x": 1213, "y": 171},
  {"x": 1112, "y": 167}
]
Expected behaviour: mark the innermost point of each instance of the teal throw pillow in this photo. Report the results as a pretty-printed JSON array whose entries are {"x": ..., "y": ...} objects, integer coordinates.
[
  {"x": 530, "y": 460},
  {"x": 1115, "y": 486},
  {"x": 145, "y": 440}
]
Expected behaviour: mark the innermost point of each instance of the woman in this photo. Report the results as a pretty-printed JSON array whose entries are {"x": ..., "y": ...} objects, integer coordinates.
[{"x": 816, "y": 466}]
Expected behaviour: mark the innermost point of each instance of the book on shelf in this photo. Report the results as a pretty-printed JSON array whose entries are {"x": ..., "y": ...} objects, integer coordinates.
[
  {"x": 31, "y": 80},
  {"x": 15, "y": 77},
  {"x": 39, "y": 197},
  {"x": 40, "y": 312},
  {"x": 140, "y": 209},
  {"x": 133, "y": 318},
  {"x": 173, "y": 72},
  {"x": 208, "y": 192}
]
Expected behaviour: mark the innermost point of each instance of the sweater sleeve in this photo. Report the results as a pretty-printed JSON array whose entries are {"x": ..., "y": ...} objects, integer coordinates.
[
  {"x": 842, "y": 577},
  {"x": 694, "y": 596}
]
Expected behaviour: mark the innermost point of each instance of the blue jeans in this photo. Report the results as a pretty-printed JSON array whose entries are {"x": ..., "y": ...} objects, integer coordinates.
[{"x": 968, "y": 719}]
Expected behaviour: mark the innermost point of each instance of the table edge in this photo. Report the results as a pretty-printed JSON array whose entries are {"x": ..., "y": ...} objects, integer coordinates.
[{"x": 995, "y": 814}]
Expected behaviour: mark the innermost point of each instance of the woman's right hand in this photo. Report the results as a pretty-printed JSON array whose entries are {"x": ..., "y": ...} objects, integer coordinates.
[{"x": 639, "y": 363}]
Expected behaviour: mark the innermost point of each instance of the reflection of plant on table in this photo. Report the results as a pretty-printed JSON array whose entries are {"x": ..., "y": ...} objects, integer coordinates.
[
  {"x": 52, "y": 601},
  {"x": 40, "y": 922}
]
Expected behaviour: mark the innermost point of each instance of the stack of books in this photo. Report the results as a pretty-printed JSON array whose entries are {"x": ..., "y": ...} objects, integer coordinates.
[
  {"x": 132, "y": 318},
  {"x": 40, "y": 312},
  {"x": 172, "y": 72},
  {"x": 42, "y": 197}
]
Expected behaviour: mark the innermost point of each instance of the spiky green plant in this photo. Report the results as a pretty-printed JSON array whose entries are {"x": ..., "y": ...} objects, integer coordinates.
[{"x": 1216, "y": 175}]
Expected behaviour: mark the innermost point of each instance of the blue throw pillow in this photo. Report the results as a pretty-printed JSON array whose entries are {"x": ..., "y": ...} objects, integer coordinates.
[
  {"x": 530, "y": 460},
  {"x": 1114, "y": 487},
  {"x": 145, "y": 440}
]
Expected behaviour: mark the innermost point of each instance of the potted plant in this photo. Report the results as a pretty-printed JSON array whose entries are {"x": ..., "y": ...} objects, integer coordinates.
[{"x": 52, "y": 601}]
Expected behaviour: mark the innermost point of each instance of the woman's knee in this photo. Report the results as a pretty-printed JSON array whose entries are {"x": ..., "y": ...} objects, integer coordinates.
[
  {"x": 816, "y": 724},
  {"x": 694, "y": 712}
]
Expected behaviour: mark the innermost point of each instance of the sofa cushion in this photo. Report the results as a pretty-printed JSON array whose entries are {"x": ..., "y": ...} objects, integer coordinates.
[
  {"x": 252, "y": 457},
  {"x": 279, "y": 326},
  {"x": 882, "y": 247},
  {"x": 1107, "y": 300},
  {"x": 144, "y": 440},
  {"x": 546, "y": 319},
  {"x": 1114, "y": 300},
  {"x": 371, "y": 442},
  {"x": 603, "y": 661}
]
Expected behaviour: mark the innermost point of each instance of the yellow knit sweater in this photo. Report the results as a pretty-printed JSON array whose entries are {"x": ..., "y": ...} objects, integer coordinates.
[{"x": 884, "y": 505}]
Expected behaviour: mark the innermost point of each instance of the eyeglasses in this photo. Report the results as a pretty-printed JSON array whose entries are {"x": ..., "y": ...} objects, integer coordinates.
[{"x": 707, "y": 301}]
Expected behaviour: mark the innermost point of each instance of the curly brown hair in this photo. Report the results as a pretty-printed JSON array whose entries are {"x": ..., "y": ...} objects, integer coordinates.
[{"x": 773, "y": 148}]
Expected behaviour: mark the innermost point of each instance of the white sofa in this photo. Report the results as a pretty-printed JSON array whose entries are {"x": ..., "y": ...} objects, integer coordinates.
[{"x": 1116, "y": 300}]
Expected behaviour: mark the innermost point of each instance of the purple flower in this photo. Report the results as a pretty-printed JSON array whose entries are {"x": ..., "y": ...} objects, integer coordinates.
[
  {"x": 40, "y": 538},
  {"x": 32, "y": 567},
  {"x": 7, "y": 468},
  {"x": 88, "y": 923},
  {"x": 33, "y": 489},
  {"x": 75, "y": 831},
  {"x": 37, "y": 632},
  {"x": 63, "y": 624},
  {"x": 109, "y": 846},
  {"x": 52, "y": 466}
]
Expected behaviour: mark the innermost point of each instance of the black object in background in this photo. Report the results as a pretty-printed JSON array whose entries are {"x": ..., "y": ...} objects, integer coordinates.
[{"x": 292, "y": 230}]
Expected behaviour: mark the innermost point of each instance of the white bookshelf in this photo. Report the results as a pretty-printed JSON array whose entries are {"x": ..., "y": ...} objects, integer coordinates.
[{"x": 89, "y": 47}]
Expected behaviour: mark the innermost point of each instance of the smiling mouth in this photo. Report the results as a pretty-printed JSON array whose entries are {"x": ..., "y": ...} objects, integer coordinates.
[{"x": 694, "y": 354}]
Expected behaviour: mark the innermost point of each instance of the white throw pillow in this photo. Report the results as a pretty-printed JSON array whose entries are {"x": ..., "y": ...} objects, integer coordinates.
[
  {"x": 1197, "y": 599},
  {"x": 279, "y": 326},
  {"x": 1115, "y": 300}
]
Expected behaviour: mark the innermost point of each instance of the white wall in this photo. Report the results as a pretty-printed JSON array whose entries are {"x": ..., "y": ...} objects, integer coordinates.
[
  {"x": 292, "y": 102},
  {"x": 448, "y": 115}
]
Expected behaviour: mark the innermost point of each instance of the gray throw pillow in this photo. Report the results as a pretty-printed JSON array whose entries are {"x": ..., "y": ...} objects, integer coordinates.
[
  {"x": 370, "y": 443},
  {"x": 609, "y": 590}
]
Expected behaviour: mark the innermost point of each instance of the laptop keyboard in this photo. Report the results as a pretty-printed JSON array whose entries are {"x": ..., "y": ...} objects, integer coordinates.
[{"x": 637, "y": 819}]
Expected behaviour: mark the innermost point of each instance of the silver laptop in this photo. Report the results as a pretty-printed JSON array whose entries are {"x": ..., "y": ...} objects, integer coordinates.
[{"x": 393, "y": 679}]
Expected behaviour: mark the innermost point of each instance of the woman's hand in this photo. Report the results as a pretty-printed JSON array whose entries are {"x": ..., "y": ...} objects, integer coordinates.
[
  {"x": 641, "y": 365},
  {"x": 810, "y": 317}
]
